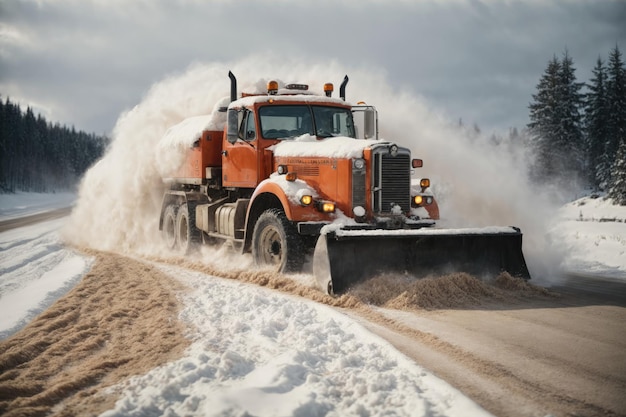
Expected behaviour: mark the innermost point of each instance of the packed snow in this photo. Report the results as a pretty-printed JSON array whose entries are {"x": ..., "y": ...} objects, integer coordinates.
[{"x": 258, "y": 352}]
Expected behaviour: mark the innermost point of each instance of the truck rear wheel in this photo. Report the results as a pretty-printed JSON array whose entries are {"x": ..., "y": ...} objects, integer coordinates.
[
  {"x": 276, "y": 243},
  {"x": 169, "y": 227},
  {"x": 188, "y": 236}
]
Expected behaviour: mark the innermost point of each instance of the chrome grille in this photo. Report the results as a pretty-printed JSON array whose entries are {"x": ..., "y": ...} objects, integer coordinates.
[{"x": 392, "y": 180}]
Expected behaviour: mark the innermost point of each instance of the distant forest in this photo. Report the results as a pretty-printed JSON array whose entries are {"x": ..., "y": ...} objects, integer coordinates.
[
  {"x": 577, "y": 131},
  {"x": 38, "y": 156}
]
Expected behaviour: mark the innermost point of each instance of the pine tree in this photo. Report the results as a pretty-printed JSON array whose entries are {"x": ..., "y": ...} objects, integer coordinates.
[
  {"x": 543, "y": 126},
  {"x": 570, "y": 138},
  {"x": 618, "y": 184},
  {"x": 596, "y": 121},
  {"x": 616, "y": 105}
]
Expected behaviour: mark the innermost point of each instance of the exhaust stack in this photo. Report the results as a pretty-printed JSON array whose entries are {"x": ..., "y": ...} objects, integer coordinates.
[
  {"x": 342, "y": 88},
  {"x": 233, "y": 86}
]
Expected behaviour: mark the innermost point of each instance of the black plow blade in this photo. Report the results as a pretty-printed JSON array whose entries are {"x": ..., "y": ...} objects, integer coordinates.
[{"x": 343, "y": 258}]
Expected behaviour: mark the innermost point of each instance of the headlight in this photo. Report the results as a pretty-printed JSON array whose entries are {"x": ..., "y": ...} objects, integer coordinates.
[
  {"x": 418, "y": 200},
  {"x": 306, "y": 200},
  {"x": 359, "y": 163}
]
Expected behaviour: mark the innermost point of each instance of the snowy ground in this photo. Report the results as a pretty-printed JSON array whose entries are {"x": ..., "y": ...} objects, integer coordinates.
[
  {"x": 592, "y": 235},
  {"x": 265, "y": 353},
  {"x": 254, "y": 351}
]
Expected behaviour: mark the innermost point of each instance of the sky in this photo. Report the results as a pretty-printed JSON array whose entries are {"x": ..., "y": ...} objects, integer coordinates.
[{"x": 85, "y": 62}]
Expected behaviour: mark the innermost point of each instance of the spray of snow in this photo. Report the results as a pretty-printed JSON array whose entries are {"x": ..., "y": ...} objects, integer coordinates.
[{"x": 476, "y": 184}]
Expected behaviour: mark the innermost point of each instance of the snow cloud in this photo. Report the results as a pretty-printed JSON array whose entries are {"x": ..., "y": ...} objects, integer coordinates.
[{"x": 477, "y": 184}]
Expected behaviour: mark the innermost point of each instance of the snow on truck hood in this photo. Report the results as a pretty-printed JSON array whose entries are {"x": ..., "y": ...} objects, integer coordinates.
[{"x": 336, "y": 147}]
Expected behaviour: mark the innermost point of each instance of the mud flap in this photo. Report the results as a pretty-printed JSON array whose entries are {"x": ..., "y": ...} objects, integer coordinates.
[{"x": 342, "y": 259}]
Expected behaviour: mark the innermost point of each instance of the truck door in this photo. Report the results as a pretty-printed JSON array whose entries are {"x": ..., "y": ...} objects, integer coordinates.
[{"x": 240, "y": 158}]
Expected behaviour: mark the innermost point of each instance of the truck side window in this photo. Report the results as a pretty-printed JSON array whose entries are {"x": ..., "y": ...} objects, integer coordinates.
[{"x": 250, "y": 127}]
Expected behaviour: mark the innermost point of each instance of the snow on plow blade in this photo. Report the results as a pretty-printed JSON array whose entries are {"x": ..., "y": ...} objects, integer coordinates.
[{"x": 345, "y": 257}]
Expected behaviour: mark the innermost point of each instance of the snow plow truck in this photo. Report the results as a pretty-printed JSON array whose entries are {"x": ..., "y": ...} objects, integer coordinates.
[{"x": 287, "y": 173}]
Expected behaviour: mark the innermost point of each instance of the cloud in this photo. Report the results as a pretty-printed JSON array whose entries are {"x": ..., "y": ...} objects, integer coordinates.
[{"x": 89, "y": 60}]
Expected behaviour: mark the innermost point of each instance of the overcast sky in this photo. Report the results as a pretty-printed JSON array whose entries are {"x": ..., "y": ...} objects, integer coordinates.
[{"x": 83, "y": 62}]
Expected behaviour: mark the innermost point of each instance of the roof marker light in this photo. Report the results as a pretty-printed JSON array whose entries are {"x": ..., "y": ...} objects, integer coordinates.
[
  {"x": 328, "y": 89},
  {"x": 272, "y": 88}
]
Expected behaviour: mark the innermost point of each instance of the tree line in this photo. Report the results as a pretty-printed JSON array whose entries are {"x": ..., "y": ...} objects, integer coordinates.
[
  {"x": 577, "y": 131},
  {"x": 39, "y": 156}
]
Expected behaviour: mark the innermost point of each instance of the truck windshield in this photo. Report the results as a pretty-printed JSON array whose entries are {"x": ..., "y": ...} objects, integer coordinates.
[{"x": 289, "y": 121}]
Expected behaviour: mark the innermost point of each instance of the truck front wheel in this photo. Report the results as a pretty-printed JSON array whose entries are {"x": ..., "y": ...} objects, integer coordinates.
[{"x": 276, "y": 243}]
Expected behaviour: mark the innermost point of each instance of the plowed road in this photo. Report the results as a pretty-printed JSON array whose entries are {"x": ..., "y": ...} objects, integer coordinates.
[{"x": 560, "y": 356}]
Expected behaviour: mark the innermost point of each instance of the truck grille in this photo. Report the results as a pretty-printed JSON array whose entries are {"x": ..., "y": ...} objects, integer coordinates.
[{"x": 392, "y": 180}]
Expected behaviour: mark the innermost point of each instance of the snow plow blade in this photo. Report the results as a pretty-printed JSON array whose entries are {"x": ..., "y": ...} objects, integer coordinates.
[{"x": 345, "y": 257}]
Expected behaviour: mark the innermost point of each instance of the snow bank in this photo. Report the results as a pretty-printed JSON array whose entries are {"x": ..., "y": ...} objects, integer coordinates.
[
  {"x": 35, "y": 270},
  {"x": 592, "y": 235},
  {"x": 259, "y": 353}
]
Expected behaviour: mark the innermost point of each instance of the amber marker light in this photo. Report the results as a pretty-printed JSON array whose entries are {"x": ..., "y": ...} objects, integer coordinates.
[
  {"x": 424, "y": 183},
  {"x": 272, "y": 87},
  {"x": 328, "y": 207},
  {"x": 328, "y": 89},
  {"x": 291, "y": 176}
]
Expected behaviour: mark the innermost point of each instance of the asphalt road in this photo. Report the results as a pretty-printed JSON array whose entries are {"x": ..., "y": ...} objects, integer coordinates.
[{"x": 33, "y": 219}]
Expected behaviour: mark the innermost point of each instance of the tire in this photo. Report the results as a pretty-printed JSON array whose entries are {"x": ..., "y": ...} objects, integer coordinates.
[
  {"x": 187, "y": 235},
  {"x": 169, "y": 227},
  {"x": 276, "y": 243}
]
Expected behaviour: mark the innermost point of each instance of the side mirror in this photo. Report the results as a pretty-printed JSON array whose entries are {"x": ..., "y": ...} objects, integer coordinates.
[{"x": 370, "y": 124}]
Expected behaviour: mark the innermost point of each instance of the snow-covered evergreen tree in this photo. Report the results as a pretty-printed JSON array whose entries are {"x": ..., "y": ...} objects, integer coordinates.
[
  {"x": 596, "y": 121},
  {"x": 616, "y": 101},
  {"x": 618, "y": 176},
  {"x": 556, "y": 123},
  {"x": 570, "y": 138},
  {"x": 543, "y": 126}
]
